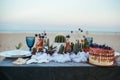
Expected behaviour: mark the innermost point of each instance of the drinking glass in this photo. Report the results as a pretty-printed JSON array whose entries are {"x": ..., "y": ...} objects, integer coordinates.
[
  {"x": 30, "y": 42},
  {"x": 90, "y": 40}
]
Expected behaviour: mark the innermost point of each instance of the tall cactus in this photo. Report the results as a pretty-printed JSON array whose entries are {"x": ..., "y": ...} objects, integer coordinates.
[
  {"x": 48, "y": 43},
  {"x": 60, "y": 39},
  {"x": 72, "y": 45},
  {"x": 78, "y": 42},
  {"x": 86, "y": 43},
  {"x": 76, "y": 48}
]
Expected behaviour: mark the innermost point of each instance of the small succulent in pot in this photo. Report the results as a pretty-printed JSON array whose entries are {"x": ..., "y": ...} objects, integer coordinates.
[
  {"x": 19, "y": 46},
  {"x": 34, "y": 50}
]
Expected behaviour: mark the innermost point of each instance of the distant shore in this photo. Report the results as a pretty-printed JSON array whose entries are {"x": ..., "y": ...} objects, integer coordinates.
[{"x": 63, "y": 31}]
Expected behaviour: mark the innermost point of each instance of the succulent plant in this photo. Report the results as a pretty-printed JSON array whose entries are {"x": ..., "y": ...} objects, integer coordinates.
[
  {"x": 19, "y": 46},
  {"x": 60, "y": 39},
  {"x": 34, "y": 50},
  {"x": 86, "y": 43},
  {"x": 61, "y": 49},
  {"x": 51, "y": 50},
  {"x": 80, "y": 47},
  {"x": 76, "y": 48},
  {"x": 72, "y": 45},
  {"x": 48, "y": 42}
]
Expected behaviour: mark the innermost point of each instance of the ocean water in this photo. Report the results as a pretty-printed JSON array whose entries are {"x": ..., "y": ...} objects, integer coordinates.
[{"x": 57, "y": 29}]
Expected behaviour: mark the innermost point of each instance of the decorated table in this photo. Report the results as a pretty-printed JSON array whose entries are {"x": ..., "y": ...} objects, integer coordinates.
[{"x": 64, "y": 60}]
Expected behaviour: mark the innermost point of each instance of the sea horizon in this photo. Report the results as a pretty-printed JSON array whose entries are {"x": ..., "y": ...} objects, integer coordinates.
[{"x": 58, "y": 31}]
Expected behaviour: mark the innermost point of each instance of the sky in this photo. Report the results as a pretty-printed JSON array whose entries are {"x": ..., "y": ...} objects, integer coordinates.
[{"x": 91, "y": 15}]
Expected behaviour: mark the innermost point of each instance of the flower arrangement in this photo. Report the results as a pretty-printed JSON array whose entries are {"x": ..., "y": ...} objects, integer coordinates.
[{"x": 66, "y": 46}]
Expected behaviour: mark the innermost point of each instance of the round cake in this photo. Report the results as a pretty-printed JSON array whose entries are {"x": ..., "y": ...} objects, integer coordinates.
[{"x": 101, "y": 55}]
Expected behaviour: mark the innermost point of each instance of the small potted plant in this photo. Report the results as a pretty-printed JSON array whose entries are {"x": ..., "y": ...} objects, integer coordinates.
[
  {"x": 18, "y": 46},
  {"x": 59, "y": 40}
]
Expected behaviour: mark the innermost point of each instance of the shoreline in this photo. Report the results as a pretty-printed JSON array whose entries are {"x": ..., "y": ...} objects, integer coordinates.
[{"x": 66, "y": 32}]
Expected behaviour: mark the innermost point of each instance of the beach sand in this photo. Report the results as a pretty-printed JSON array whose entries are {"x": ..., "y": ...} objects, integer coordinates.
[{"x": 8, "y": 41}]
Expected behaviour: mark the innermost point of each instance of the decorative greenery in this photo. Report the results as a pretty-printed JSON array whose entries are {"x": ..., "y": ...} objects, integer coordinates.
[
  {"x": 19, "y": 45},
  {"x": 47, "y": 46},
  {"x": 61, "y": 49},
  {"x": 34, "y": 50},
  {"x": 86, "y": 43},
  {"x": 48, "y": 42},
  {"x": 51, "y": 50},
  {"x": 72, "y": 45},
  {"x": 76, "y": 48},
  {"x": 60, "y": 39}
]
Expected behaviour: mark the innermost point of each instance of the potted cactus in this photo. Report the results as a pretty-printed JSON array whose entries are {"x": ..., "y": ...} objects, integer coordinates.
[
  {"x": 76, "y": 47},
  {"x": 86, "y": 45},
  {"x": 59, "y": 40},
  {"x": 34, "y": 50}
]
